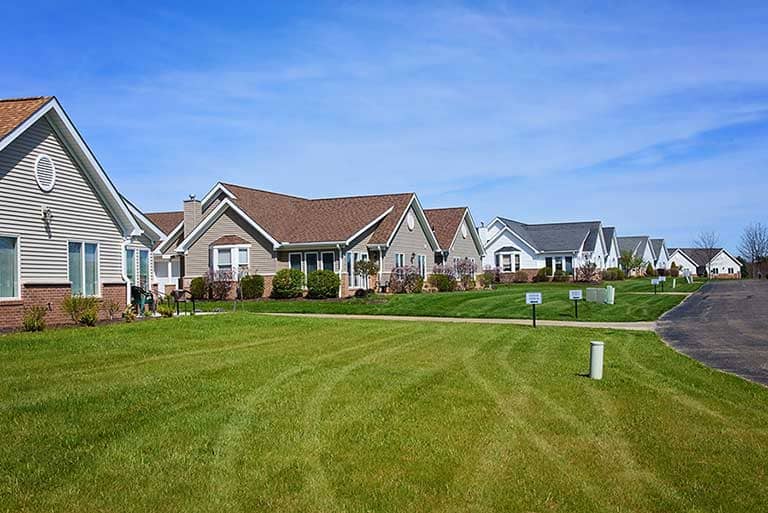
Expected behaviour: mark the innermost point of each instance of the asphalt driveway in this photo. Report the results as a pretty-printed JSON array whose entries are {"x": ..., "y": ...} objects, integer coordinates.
[{"x": 725, "y": 326}]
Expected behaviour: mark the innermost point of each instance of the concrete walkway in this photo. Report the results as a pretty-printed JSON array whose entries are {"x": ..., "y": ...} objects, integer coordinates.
[
  {"x": 660, "y": 293},
  {"x": 633, "y": 326}
]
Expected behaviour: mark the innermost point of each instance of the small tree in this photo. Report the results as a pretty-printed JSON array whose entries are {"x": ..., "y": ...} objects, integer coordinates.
[
  {"x": 630, "y": 263},
  {"x": 405, "y": 280},
  {"x": 587, "y": 272},
  {"x": 754, "y": 245},
  {"x": 465, "y": 272},
  {"x": 707, "y": 242},
  {"x": 366, "y": 268},
  {"x": 219, "y": 284}
]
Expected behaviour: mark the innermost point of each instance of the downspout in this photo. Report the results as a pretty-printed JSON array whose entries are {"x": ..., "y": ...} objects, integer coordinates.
[
  {"x": 123, "y": 274},
  {"x": 341, "y": 266}
]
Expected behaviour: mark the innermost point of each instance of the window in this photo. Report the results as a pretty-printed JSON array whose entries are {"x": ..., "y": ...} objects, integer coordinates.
[
  {"x": 328, "y": 261},
  {"x": 243, "y": 260},
  {"x": 548, "y": 263},
  {"x": 399, "y": 260},
  {"x": 569, "y": 264},
  {"x": 224, "y": 260},
  {"x": 130, "y": 265},
  {"x": 506, "y": 263},
  {"x": 422, "y": 264},
  {"x": 311, "y": 262},
  {"x": 474, "y": 267},
  {"x": 730, "y": 270},
  {"x": 355, "y": 280},
  {"x": 294, "y": 260},
  {"x": 517, "y": 262},
  {"x": 558, "y": 263},
  {"x": 83, "y": 268},
  {"x": 9, "y": 267},
  {"x": 144, "y": 269},
  {"x": 233, "y": 259}
]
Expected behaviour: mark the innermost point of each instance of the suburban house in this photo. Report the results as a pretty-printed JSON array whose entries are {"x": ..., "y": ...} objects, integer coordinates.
[
  {"x": 240, "y": 229},
  {"x": 660, "y": 252},
  {"x": 64, "y": 228},
  {"x": 638, "y": 246},
  {"x": 512, "y": 246},
  {"x": 696, "y": 261},
  {"x": 456, "y": 235},
  {"x": 612, "y": 254}
]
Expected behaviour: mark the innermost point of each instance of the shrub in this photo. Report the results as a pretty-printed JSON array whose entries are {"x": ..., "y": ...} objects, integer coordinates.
[
  {"x": 364, "y": 293},
  {"x": 82, "y": 309},
  {"x": 129, "y": 314},
  {"x": 110, "y": 308},
  {"x": 197, "y": 288},
  {"x": 661, "y": 271},
  {"x": 405, "y": 280},
  {"x": 486, "y": 279},
  {"x": 587, "y": 272},
  {"x": 468, "y": 283},
  {"x": 218, "y": 284},
  {"x": 674, "y": 272},
  {"x": 442, "y": 282},
  {"x": 323, "y": 284},
  {"x": 252, "y": 286},
  {"x": 613, "y": 274},
  {"x": 366, "y": 268},
  {"x": 560, "y": 275},
  {"x": 287, "y": 283},
  {"x": 34, "y": 318},
  {"x": 166, "y": 308},
  {"x": 649, "y": 270},
  {"x": 541, "y": 275},
  {"x": 520, "y": 277}
]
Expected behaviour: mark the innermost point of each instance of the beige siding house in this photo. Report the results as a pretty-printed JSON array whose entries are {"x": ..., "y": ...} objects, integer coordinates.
[
  {"x": 63, "y": 226},
  {"x": 458, "y": 237}
]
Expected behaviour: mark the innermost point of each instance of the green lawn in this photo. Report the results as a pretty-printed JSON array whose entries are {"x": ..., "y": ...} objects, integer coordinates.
[
  {"x": 505, "y": 302},
  {"x": 247, "y": 413},
  {"x": 644, "y": 285}
]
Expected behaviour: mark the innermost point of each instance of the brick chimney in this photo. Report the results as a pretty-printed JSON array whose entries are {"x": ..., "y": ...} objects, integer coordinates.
[{"x": 193, "y": 212}]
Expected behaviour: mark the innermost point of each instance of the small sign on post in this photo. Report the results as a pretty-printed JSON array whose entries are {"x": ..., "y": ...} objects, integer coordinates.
[
  {"x": 662, "y": 279},
  {"x": 533, "y": 299},
  {"x": 655, "y": 283},
  {"x": 575, "y": 296}
]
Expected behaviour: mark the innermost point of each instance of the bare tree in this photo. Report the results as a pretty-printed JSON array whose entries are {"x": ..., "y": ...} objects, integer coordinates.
[
  {"x": 707, "y": 242},
  {"x": 754, "y": 245}
]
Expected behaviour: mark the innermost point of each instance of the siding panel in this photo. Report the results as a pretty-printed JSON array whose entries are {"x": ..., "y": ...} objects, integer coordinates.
[{"x": 409, "y": 242}]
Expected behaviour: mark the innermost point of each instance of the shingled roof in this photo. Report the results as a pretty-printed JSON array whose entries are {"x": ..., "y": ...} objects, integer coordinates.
[
  {"x": 656, "y": 244},
  {"x": 698, "y": 255},
  {"x": 14, "y": 111},
  {"x": 166, "y": 221},
  {"x": 445, "y": 223},
  {"x": 608, "y": 233},
  {"x": 291, "y": 219},
  {"x": 557, "y": 237},
  {"x": 635, "y": 244}
]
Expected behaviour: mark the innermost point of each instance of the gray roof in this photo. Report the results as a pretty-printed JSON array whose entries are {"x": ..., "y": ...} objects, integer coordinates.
[
  {"x": 609, "y": 232},
  {"x": 635, "y": 245},
  {"x": 507, "y": 249},
  {"x": 656, "y": 244},
  {"x": 557, "y": 236},
  {"x": 698, "y": 255}
]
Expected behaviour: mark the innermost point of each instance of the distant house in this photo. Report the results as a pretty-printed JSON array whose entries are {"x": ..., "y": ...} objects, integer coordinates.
[
  {"x": 64, "y": 227},
  {"x": 638, "y": 246},
  {"x": 241, "y": 229},
  {"x": 613, "y": 254},
  {"x": 722, "y": 266},
  {"x": 513, "y": 246},
  {"x": 456, "y": 235},
  {"x": 661, "y": 253}
]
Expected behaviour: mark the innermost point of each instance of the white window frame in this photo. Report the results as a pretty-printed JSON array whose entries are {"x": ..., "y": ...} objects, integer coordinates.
[
  {"x": 17, "y": 296},
  {"x": 82, "y": 243},
  {"x": 333, "y": 257},
  {"x": 149, "y": 267},
  {"x": 354, "y": 280},
  {"x": 301, "y": 260},
  {"x": 319, "y": 264},
  {"x": 421, "y": 263},
  {"x": 399, "y": 259},
  {"x": 514, "y": 258},
  {"x": 234, "y": 258}
]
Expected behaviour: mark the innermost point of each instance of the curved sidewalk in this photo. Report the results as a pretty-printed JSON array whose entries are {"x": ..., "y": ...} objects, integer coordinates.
[{"x": 632, "y": 326}]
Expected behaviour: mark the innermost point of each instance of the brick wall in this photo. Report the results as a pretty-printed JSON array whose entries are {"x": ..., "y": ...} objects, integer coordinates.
[{"x": 52, "y": 298}]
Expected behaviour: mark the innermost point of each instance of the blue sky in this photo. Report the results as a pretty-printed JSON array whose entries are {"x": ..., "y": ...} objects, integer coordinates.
[{"x": 652, "y": 118}]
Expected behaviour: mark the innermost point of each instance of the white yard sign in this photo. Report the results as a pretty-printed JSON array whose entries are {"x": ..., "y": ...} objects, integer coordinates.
[
  {"x": 655, "y": 281},
  {"x": 533, "y": 298},
  {"x": 574, "y": 295}
]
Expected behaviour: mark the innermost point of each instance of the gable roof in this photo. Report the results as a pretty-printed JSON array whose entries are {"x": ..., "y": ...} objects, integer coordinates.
[
  {"x": 635, "y": 245},
  {"x": 14, "y": 111},
  {"x": 609, "y": 232},
  {"x": 445, "y": 222},
  {"x": 557, "y": 237},
  {"x": 17, "y": 115},
  {"x": 656, "y": 245},
  {"x": 699, "y": 256},
  {"x": 166, "y": 221}
]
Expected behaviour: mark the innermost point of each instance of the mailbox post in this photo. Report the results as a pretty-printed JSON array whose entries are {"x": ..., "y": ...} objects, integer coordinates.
[
  {"x": 533, "y": 299},
  {"x": 575, "y": 296}
]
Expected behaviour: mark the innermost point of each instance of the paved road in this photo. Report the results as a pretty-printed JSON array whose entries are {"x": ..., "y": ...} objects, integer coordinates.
[
  {"x": 725, "y": 326},
  {"x": 633, "y": 326}
]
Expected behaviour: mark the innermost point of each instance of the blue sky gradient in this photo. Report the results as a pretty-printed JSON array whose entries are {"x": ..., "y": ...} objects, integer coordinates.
[{"x": 652, "y": 118}]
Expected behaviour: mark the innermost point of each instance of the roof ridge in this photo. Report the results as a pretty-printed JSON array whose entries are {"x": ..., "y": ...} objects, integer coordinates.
[
  {"x": 446, "y": 208},
  {"x": 264, "y": 191},
  {"x": 25, "y": 99},
  {"x": 551, "y": 223},
  {"x": 364, "y": 196},
  {"x": 165, "y": 212}
]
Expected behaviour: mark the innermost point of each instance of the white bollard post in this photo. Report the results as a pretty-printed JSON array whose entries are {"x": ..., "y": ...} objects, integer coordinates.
[{"x": 596, "y": 360}]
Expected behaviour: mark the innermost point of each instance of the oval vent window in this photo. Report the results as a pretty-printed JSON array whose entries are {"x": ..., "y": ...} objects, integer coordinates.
[
  {"x": 45, "y": 173},
  {"x": 463, "y": 231},
  {"x": 411, "y": 221}
]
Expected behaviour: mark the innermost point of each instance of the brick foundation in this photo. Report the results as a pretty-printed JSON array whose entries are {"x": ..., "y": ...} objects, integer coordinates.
[{"x": 52, "y": 297}]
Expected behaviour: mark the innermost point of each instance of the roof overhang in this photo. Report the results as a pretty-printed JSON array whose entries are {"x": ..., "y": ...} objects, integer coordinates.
[
  {"x": 85, "y": 159},
  {"x": 473, "y": 231},
  {"x": 423, "y": 221},
  {"x": 156, "y": 233},
  {"x": 510, "y": 230},
  {"x": 215, "y": 190}
]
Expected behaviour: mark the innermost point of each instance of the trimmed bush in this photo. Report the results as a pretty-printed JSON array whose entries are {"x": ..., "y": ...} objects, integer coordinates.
[
  {"x": 560, "y": 276},
  {"x": 82, "y": 309},
  {"x": 287, "y": 283},
  {"x": 252, "y": 286},
  {"x": 34, "y": 318},
  {"x": 541, "y": 275},
  {"x": 197, "y": 288},
  {"x": 323, "y": 284},
  {"x": 218, "y": 284},
  {"x": 674, "y": 271},
  {"x": 649, "y": 270},
  {"x": 487, "y": 279},
  {"x": 442, "y": 282},
  {"x": 520, "y": 277},
  {"x": 613, "y": 274}
]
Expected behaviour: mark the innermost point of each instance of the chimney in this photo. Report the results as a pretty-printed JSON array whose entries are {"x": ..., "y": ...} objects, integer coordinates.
[
  {"x": 193, "y": 212},
  {"x": 483, "y": 232}
]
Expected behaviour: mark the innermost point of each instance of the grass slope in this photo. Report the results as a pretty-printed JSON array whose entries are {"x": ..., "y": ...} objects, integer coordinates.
[
  {"x": 243, "y": 413},
  {"x": 505, "y": 302}
]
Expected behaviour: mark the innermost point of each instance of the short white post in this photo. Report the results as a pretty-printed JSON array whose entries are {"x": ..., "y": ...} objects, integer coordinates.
[{"x": 596, "y": 360}]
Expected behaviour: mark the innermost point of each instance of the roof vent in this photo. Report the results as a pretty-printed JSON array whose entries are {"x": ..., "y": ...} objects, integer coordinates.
[
  {"x": 45, "y": 173},
  {"x": 463, "y": 231},
  {"x": 410, "y": 221}
]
